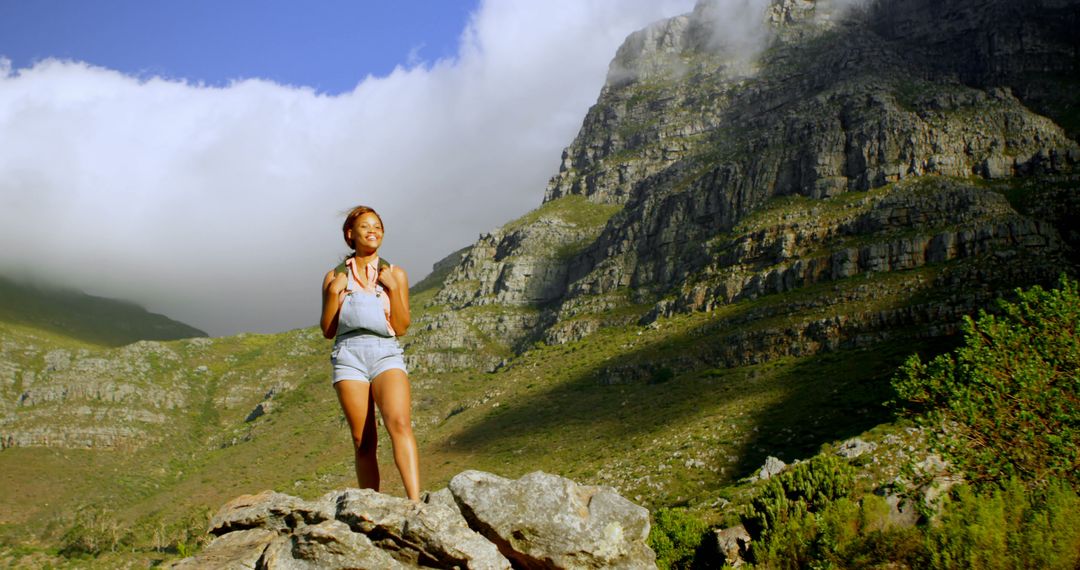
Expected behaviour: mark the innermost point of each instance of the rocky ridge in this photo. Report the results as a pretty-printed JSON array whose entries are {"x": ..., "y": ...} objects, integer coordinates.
[
  {"x": 59, "y": 394},
  {"x": 695, "y": 133},
  {"x": 115, "y": 399}
]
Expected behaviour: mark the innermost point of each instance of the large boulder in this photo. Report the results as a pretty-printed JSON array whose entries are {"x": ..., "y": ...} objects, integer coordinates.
[
  {"x": 547, "y": 521},
  {"x": 481, "y": 521},
  {"x": 344, "y": 529}
]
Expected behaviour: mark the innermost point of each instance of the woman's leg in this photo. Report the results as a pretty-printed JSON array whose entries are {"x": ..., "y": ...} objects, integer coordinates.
[
  {"x": 392, "y": 394},
  {"x": 359, "y": 407}
]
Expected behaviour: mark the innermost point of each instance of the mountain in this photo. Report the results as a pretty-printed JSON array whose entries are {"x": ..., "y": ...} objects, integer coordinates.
[
  {"x": 742, "y": 243},
  {"x": 91, "y": 319},
  {"x": 934, "y": 140}
]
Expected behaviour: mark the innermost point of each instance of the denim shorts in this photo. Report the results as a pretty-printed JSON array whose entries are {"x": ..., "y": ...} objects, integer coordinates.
[{"x": 363, "y": 357}]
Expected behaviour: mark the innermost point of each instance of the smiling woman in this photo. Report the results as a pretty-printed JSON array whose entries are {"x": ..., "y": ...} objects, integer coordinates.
[{"x": 365, "y": 308}]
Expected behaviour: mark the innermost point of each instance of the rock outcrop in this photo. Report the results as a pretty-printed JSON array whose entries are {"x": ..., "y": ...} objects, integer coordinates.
[
  {"x": 539, "y": 521},
  {"x": 113, "y": 398},
  {"x": 345, "y": 529},
  {"x": 546, "y": 521},
  {"x": 53, "y": 394}
]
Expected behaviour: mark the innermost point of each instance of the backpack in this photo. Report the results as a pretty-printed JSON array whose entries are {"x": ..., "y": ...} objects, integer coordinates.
[{"x": 344, "y": 269}]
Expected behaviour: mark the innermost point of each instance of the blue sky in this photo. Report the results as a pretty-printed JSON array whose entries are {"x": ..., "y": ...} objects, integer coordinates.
[
  {"x": 329, "y": 45},
  {"x": 190, "y": 148}
]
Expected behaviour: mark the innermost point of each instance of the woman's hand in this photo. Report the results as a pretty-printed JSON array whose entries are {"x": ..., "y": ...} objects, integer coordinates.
[
  {"x": 396, "y": 283},
  {"x": 392, "y": 278}
]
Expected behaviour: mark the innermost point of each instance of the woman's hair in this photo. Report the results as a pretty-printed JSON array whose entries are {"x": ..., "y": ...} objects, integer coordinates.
[{"x": 351, "y": 218}]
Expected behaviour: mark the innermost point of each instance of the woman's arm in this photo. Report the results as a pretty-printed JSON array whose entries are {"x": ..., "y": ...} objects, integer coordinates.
[
  {"x": 396, "y": 283},
  {"x": 333, "y": 286}
]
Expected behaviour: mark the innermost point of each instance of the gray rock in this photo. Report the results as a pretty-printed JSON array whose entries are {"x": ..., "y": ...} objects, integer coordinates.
[
  {"x": 547, "y": 521},
  {"x": 854, "y": 447},
  {"x": 268, "y": 510},
  {"x": 423, "y": 534},
  {"x": 901, "y": 512},
  {"x": 329, "y": 544},
  {"x": 445, "y": 498},
  {"x": 770, "y": 468},
  {"x": 344, "y": 529},
  {"x": 733, "y": 544},
  {"x": 240, "y": 550}
]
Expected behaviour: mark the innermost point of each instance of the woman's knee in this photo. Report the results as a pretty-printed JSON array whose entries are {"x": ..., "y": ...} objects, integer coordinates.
[
  {"x": 398, "y": 424},
  {"x": 365, "y": 444}
]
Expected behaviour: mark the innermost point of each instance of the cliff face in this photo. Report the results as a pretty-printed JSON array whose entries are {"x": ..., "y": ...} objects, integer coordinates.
[
  {"x": 59, "y": 393},
  {"x": 883, "y": 137}
]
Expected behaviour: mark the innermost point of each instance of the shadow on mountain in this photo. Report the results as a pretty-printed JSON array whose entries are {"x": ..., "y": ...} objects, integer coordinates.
[
  {"x": 786, "y": 406},
  {"x": 784, "y": 401}
]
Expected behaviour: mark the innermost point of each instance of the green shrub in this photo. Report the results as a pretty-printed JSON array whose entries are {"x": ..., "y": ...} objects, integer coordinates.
[
  {"x": 676, "y": 536},
  {"x": 1011, "y": 391},
  {"x": 782, "y": 517},
  {"x": 661, "y": 375},
  {"x": 93, "y": 531},
  {"x": 1008, "y": 527},
  {"x": 860, "y": 535},
  {"x": 180, "y": 535},
  {"x": 807, "y": 487}
]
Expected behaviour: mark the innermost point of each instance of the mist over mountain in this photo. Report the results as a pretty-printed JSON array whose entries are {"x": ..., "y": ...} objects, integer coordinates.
[{"x": 74, "y": 314}]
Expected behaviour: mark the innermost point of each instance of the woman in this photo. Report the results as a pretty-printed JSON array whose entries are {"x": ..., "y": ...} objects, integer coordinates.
[{"x": 366, "y": 306}]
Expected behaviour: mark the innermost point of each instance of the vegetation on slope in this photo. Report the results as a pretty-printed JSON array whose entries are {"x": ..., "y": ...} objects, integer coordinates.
[
  {"x": 1003, "y": 408},
  {"x": 1011, "y": 393},
  {"x": 96, "y": 320},
  {"x": 660, "y": 412}
]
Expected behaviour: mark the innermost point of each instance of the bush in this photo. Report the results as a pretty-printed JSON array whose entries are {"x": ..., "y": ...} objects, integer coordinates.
[
  {"x": 782, "y": 517},
  {"x": 860, "y": 535},
  {"x": 181, "y": 535},
  {"x": 1008, "y": 397},
  {"x": 93, "y": 531},
  {"x": 1008, "y": 527},
  {"x": 676, "y": 536}
]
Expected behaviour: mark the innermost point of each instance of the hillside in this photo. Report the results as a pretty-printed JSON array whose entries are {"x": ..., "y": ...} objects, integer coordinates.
[
  {"x": 87, "y": 318},
  {"x": 732, "y": 261}
]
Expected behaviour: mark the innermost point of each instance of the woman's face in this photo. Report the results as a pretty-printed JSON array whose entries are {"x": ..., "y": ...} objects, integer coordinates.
[{"x": 367, "y": 233}]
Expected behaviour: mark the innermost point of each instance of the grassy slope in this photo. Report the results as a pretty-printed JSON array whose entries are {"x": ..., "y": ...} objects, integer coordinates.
[
  {"x": 550, "y": 410},
  {"x": 96, "y": 320}
]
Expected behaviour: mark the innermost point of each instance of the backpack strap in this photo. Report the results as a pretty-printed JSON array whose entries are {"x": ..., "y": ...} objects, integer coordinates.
[{"x": 343, "y": 269}]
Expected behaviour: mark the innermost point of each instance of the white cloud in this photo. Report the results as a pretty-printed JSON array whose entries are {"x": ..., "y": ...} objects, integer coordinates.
[{"x": 221, "y": 206}]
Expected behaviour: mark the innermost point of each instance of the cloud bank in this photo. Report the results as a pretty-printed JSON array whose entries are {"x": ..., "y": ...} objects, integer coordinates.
[{"x": 221, "y": 206}]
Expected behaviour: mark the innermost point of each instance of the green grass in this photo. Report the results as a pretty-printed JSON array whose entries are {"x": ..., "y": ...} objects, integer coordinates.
[{"x": 574, "y": 209}]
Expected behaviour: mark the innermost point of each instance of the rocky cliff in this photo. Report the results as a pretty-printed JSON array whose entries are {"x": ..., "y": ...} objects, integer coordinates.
[
  {"x": 56, "y": 392},
  {"x": 839, "y": 141}
]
